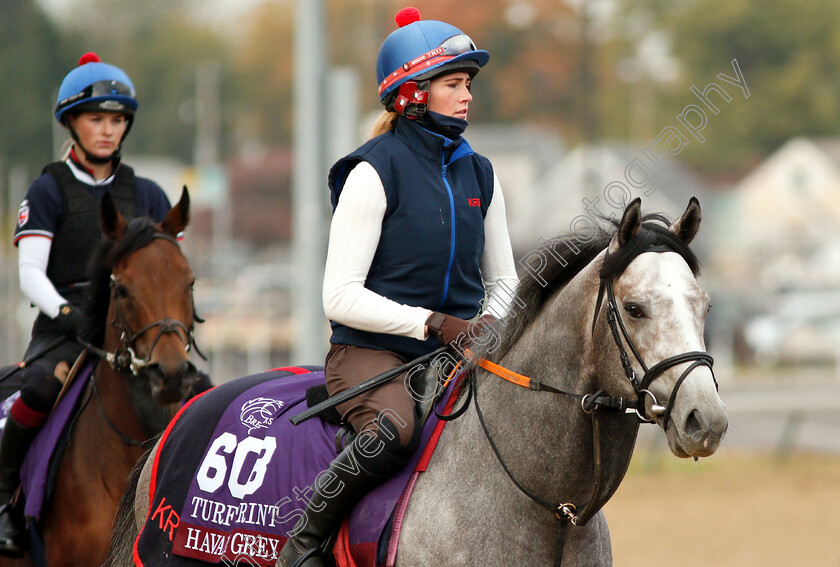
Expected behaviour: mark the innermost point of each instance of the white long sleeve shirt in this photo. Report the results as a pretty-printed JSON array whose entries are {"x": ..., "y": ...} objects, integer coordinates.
[{"x": 34, "y": 256}]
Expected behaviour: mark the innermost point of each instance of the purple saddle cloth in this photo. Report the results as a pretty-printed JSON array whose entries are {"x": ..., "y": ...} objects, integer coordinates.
[
  {"x": 36, "y": 470},
  {"x": 232, "y": 475}
]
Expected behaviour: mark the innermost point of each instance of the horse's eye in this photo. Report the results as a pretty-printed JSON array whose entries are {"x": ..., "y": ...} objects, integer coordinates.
[
  {"x": 120, "y": 291},
  {"x": 634, "y": 311}
]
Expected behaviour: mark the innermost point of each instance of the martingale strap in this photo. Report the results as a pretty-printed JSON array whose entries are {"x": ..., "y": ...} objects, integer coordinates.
[{"x": 605, "y": 484}]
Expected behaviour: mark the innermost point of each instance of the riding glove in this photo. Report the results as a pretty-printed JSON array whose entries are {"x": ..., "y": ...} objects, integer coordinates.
[
  {"x": 449, "y": 330},
  {"x": 70, "y": 320}
]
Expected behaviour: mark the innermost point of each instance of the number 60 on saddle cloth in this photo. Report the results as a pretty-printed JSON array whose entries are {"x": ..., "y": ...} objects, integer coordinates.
[{"x": 232, "y": 476}]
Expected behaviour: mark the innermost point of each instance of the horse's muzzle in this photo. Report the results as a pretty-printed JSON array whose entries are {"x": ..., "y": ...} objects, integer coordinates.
[
  {"x": 699, "y": 431},
  {"x": 171, "y": 385}
]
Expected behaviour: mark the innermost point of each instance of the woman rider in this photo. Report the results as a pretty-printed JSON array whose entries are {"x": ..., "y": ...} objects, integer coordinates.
[
  {"x": 418, "y": 239},
  {"x": 58, "y": 227}
]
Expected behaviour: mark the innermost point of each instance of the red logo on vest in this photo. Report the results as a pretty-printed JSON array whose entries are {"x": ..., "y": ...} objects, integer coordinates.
[{"x": 474, "y": 202}]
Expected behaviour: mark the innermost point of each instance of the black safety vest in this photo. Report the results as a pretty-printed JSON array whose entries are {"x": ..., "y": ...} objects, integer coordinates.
[{"x": 79, "y": 231}]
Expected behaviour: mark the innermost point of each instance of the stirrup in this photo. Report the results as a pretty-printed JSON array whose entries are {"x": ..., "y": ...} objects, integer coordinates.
[{"x": 13, "y": 546}]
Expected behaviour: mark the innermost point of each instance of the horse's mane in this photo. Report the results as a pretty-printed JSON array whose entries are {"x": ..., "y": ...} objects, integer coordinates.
[
  {"x": 138, "y": 234},
  {"x": 532, "y": 294}
]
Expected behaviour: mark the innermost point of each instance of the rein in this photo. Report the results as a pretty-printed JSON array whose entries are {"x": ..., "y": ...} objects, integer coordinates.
[
  {"x": 124, "y": 360},
  {"x": 598, "y": 401},
  {"x": 562, "y": 511},
  {"x": 589, "y": 403},
  {"x": 125, "y": 438}
]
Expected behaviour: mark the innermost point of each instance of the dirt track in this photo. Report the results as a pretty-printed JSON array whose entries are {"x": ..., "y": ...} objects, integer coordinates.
[{"x": 732, "y": 510}]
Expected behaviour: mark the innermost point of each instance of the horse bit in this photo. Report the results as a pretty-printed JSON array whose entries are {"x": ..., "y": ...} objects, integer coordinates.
[
  {"x": 127, "y": 360},
  {"x": 642, "y": 387},
  {"x": 598, "y": 400}
]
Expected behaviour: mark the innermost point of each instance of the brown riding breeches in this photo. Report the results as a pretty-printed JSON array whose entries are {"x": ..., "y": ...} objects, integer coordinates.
[{"x": 348, "y": 366}]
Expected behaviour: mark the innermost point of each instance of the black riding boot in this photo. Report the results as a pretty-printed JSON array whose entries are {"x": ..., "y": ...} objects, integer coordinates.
[
  {"x": 14, "y": 442},
  {"x": 359, "y": 470}
]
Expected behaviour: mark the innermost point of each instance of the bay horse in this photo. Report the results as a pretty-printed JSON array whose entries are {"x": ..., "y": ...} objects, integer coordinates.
[
  {"x": 594, "y": 343},
  {"x": 141, "y": 304}
]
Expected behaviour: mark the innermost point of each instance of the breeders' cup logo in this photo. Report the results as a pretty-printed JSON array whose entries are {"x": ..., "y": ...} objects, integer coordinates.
[{"x": 259, "y": 413}]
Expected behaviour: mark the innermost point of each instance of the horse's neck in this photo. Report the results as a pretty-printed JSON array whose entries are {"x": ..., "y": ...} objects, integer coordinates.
[
  {"x": 545, "y": 439},
  {"x": 125, "y": 400},
  {"x": 114, "y": 397},
  {"x": 556, "y": 346}
]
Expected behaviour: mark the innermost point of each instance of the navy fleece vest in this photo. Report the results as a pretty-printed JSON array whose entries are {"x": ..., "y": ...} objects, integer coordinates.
[{"x": 432, "y": 241}]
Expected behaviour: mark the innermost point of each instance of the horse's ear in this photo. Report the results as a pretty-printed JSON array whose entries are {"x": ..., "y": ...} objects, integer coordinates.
[
  {"x": 113, "y": 223},
  {"x": 631, "y": 222},
  {"x": 688, "y": 224},
  {"x": 179, "y": 216}
]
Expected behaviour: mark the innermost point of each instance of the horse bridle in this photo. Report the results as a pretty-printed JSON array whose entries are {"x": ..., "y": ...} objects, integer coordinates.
[
  {"x": 642, "y": 387},
  {"x": 124, "y": 358},
  {"x": 598, "y": 401}
]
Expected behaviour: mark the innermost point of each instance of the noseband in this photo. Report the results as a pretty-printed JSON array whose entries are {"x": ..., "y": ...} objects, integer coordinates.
[
  {"x": 642, "y": 387},
  {"x": 124, "y": 359},
  {"x": 598, "y": 402},
  {"x": 128, "y": 360}
]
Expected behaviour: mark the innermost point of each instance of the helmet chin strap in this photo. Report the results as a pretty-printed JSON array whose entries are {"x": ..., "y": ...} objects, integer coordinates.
[{"x": 96, "y": 159}]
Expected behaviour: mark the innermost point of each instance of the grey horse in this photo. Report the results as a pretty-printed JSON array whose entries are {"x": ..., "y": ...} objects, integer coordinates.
[
  {"x": 466, "y": 509},
  {"x": 604, "y": 331}
]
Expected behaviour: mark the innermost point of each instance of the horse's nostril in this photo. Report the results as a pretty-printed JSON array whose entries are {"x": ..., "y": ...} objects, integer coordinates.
[
  {"x": 188, "y": 373},
  {"x": 154, "y": 371},
  {"x": 695, "y": 425},
  {"x": 172, "y": 378}
]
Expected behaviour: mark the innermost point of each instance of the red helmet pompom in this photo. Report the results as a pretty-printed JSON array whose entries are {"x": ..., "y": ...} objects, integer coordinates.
[
  {"x": 89, "y": 57},
  {"x": 407, "y": 16}
]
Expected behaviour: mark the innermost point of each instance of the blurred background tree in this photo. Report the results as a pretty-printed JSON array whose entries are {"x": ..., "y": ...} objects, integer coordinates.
[
  {"x": 789, "y": 53},
  {"x": 33, "y": 52},
  {"x": 159, "y": 44},
  {"x": 591, "y": 69}
]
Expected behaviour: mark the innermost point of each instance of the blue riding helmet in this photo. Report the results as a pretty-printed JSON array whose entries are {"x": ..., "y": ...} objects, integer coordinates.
[
  {"x": 420, "y": 50},
  {"x": 94, "y": 85}
]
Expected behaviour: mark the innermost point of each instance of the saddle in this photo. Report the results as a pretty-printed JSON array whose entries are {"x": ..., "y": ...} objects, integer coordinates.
[
  {"x": 41, "y": 463},
  {"x": 425, "y": 386}
]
